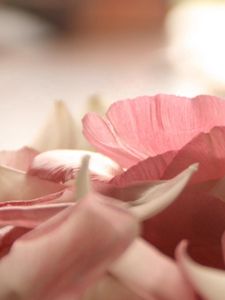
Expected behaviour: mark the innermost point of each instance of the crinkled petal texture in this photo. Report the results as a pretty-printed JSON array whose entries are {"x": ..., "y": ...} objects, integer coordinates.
[
  {"x": 136, "y": 129},
  {"x": 62, "y": 257}
]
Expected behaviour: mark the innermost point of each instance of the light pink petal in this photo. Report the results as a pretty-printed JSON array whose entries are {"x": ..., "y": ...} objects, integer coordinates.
[
  {"x": 111, "y": 289},
  {"x": 31, "y": 215},
  {"x": 20, "y": 159},
  {"x": 208, "y": 149},
  {"x": 208, "y": 282},
  {"x": 151, "y": 274},
  {"x": 63, "y": 256},
  {"x": 16, "y": 185},
  {"x": 135, "y": 129},
  {"x": 63, "y": 165},
  {"x": 59, "y": 132}
]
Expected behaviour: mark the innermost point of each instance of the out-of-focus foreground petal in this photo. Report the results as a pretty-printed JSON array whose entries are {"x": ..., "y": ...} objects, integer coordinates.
[
  {"x": 136, "y": 129},
  {"x": 208, "y": 282},
  {"x": 149, "y": 273},
  {"x": 59, "y": 132},
  {"x": 16, "y": 185},
  {"x": 63, "y": 165},
  {"x": 63, "y": 256},
  {"x": 20, "y": 159}
]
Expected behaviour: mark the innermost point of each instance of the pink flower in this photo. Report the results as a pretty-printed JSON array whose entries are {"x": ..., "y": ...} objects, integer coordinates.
[{"x": 154, "y": 138}]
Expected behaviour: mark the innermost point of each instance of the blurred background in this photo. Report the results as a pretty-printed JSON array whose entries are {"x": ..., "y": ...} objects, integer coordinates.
[{"x": 92, "y": 52}]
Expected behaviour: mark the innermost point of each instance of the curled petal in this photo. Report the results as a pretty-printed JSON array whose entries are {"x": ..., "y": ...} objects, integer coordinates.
[
  {"x": 150, "y": 274},
  {"x": 20, "y": 159},
  {"x": 134, "y": 130},
  {"x": 157, "y": 198},
  {"x": 208, "y": 282},
  {"x": 63, "y": 256},
  {"x": 59, "y": 132},
  {"x": 63, "y": 165}
]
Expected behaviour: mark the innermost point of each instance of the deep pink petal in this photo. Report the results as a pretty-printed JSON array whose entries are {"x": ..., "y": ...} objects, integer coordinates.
[
  {"x": 20, "y": 159},
  {"x": 61, "y": 257},
  {"x": 63, "y": 165},
  {"x": 196, "y": 216},
  {"x": 208, "y": 149},
  {"x": 135, "y": 129},
  {"x": 149, "y": 273}
]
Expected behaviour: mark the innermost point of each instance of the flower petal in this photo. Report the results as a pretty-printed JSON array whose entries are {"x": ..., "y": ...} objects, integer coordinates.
[
  {"x": 209, "y": 282},
  {"x": 135, "y": 129},
  {"x": 61, "y": 257},
  {"x": 150, "y": 274},
  {"x": 20, "y": 159},
  {"x": 63, "y": 165},
  {"x": 16, "y": 185},
  {"x": 59, "y": 131},
  {"x": 157, "y": 198},
  {"x": 208, "y": 149}
]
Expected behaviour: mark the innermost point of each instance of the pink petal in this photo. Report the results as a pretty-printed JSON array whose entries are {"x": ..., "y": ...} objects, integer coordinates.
[
  {"x": 209, "y": 282},
  {"x": 31, "y": 215},
  {"x": 111, "y": 289},
  {"x": 151, "y": 168},
  {"x": 208, "y": 149},
  {"x": 20, "y": 159},
  {"x": 16, "y": 185},
  {"x": 135, "y": 129},
  {"x": 63, "y": 165},
  {"x": 8, "y": 235},
  {"x": 150, "y": 274},
  {"x": 63, "y": 256},
  {"x": 59, "y": 132}
]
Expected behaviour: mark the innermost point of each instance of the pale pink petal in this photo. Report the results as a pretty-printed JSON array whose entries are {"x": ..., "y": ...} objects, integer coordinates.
[
  {"x": 20, "y": 159},
  {"x": 208, "y": 149},
  {"x": 149, "y": 273},
  {"x": 59, "y": 132},
  {"x": 16, "y": 185},
  {"x": 31, "y": 215},
  {"x": 111, "y": 289},
  {"x": 157, "y": 198},
  {"x": 63, "y": 165},
  {"x": 208, "y": 282},
  {"x": 135, "y": 129},
  {"x": 63, "y": 256}
]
